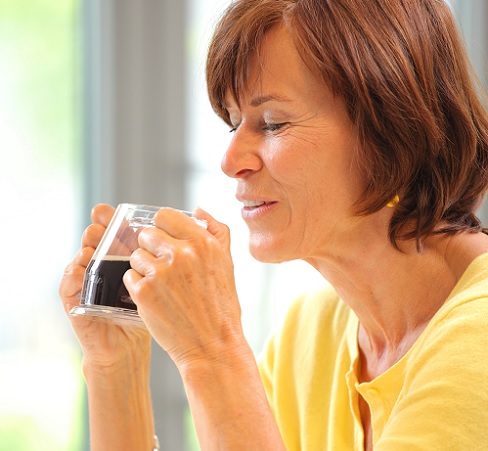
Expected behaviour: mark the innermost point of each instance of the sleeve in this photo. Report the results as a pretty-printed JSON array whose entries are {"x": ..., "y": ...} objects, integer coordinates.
[{"x": 444, "y": 401}]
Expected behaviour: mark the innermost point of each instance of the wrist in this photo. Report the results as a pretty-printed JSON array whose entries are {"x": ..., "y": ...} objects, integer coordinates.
[
  {"x": 218, "y": 376},
  {"x": 228, "y": 402},
  {"x": 123, "y": 359},
  {"x": 120, "y": 408},
  {"x": 117, "y": 378},
  {"x": 232, "y": 354}
]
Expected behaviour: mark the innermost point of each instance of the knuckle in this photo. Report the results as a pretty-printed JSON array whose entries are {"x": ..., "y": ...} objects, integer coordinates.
[
  {"x": 90, "y": 230},
  {"x": 72, "y": 277},
  {"x": 136, "y": 255},
  {"x": 68, "y": 269},
  {"x": 184, "y": 253},
  {"x": 93, "y": 233},
  {"x": 78, "y": 272},
  {"x": 209, "y": 240},
  {"x": 86, "y": 254},
  {"x": 226, "y": 228},
  {"x": 145, "y": 233},
  {"x": 166, "y": 251},
  {"x": 143, "y": 291}
]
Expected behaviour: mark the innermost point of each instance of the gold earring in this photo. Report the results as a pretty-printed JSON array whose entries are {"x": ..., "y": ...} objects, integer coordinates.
[{"x": 394, "y": 202}]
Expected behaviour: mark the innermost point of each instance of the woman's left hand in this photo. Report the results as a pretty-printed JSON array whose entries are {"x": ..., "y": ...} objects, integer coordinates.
[{"x": 182, "y": 280}]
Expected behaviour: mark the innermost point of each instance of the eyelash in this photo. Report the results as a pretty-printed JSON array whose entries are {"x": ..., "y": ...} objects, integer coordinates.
[
  {"x": 273, "y": 127},
  {"x": 267, "y": 127}
]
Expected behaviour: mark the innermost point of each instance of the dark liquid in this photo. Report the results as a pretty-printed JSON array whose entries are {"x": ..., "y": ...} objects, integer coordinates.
[{"x": 103, "y": 284}]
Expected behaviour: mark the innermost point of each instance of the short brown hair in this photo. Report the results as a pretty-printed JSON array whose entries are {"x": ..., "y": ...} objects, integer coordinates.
[{"x": 403, "y": 72}]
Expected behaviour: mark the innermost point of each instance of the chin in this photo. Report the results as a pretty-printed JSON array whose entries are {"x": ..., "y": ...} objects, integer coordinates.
[{"x": 266, "y": 250}]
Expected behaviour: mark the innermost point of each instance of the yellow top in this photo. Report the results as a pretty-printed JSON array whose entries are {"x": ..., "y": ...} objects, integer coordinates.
[{"x": 434, "y": 398}]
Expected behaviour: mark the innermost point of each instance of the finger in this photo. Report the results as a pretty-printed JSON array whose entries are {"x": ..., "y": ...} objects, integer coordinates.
[
  {"x": 216, "y": 228},
  {"x": 70, "y": 286},
  {"x": 92, "y": 235},
  {"x": 132, "y": 279},
  {"x": 83, "y": 257},
  {"x": 75, "y": 271},
  {"x": 102, "y": 214},
  {"x": 157, "y": 242},
  {"x": 177, "y": 224},
  {"x": 144, "y": 262}
]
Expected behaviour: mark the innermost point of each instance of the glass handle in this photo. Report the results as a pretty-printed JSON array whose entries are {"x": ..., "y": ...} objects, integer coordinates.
[{"x": 138, "y": 222}]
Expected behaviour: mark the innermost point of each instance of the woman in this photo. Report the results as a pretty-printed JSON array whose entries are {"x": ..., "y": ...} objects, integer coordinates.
[{"x": 361, "y": 147}]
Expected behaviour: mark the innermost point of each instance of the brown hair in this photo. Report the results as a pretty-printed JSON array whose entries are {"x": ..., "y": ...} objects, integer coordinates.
[{"x": 403, "y": 72}]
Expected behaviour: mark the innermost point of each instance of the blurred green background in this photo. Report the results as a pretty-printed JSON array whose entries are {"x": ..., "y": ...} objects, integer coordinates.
[{"x": 41, "y": 391}]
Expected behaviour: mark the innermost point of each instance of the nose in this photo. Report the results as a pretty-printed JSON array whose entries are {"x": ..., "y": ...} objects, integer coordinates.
[{"x": 242, "y": 157}]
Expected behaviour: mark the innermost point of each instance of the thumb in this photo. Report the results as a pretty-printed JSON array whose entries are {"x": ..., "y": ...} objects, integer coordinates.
[{"x": 216, "y": 228}]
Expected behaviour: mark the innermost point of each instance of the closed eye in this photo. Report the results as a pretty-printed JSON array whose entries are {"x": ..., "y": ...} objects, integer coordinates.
[
  {"x": 274, "y": 127},
  {"x": 266, "y": 128}
]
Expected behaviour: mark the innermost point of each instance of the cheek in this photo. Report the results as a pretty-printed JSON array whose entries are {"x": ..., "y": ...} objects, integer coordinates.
[
  {"x": 292, "y": 162},
  {"x": 315, "y": 174}
]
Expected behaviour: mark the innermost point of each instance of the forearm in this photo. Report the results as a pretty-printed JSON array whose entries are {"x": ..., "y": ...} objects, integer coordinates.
[
  {"x": 120, "y": 408},
  {"x": 229, "y": 406}
]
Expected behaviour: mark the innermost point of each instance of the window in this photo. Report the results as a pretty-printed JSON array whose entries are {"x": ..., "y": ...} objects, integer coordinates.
[
  {"x": 472, "y": 16},
  {"x": 41, "y": 387}
]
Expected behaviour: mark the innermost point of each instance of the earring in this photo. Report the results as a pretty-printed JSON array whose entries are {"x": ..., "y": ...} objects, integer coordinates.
[{"x": 394, "y": 202}]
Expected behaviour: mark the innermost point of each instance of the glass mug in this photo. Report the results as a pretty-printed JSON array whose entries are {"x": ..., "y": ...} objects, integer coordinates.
[{"x": 103, "y": 295}]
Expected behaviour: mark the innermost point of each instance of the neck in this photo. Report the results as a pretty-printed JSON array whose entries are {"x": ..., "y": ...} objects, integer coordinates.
[{"x": 393, "y": 293}]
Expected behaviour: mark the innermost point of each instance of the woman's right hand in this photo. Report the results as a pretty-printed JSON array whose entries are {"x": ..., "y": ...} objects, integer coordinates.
[
  {"x": 116, "y": 359},
  {"x": 104, "y": 344}
]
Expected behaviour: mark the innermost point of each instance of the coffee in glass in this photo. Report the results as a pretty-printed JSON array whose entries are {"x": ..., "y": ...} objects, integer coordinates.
[{"x": 104, "y": 294}]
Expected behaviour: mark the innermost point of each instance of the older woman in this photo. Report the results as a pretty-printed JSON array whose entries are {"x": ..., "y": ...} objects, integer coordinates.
[{"x": 361, "y": 147}]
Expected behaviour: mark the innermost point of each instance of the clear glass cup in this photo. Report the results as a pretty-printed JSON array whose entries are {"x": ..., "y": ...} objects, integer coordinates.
[{"x": 104, "y": 295}]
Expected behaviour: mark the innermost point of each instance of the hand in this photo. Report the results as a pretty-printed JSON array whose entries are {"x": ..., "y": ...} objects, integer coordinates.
[
  {"x": 103, "y": 344},
  {"x": 182, "y": 280}
]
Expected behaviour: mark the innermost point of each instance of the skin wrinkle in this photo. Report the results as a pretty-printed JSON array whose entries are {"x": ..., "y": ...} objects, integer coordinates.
[
  {"x": 311, "y": 124},
  {"x": 352, "y": 269}
]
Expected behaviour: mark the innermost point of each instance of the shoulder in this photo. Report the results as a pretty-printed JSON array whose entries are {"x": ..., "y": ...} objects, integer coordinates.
[
  {"x": 316, "y": 311},
  {"x": 318, "y": 321},
  {"x": 467, "y": 305},
  {"x": 458, "y": 331},
  {"x": 445, "y": 374},
  {"x": 449, "y": 359},
  {"x": 454, "y": 345}
]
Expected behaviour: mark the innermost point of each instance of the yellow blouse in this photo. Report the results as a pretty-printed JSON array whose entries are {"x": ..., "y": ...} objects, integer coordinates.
[{"x": 434, "y": 398}]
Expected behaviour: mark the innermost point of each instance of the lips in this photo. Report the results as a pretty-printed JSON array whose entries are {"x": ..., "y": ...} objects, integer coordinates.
[
  {"x": 255, "y": 208},
  {"x": 254, "y": 203}
]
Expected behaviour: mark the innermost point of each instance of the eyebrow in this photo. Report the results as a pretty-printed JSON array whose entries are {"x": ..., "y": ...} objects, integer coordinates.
[{"x": 257, "y": 101}]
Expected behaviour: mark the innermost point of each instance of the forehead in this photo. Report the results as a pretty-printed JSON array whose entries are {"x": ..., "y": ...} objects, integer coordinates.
[{"x": 275, "y": 71}]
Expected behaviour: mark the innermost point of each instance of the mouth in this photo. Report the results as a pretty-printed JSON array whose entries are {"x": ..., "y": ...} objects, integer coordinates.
[
  {"x": 251, "y": 204},
  {"x": 252, "y": 209}
]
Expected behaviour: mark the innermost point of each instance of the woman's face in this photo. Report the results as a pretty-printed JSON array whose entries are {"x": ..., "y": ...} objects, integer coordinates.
[{"x": 292, "y": 155}]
